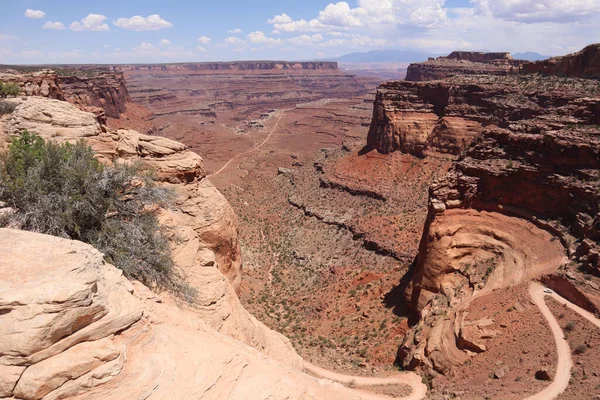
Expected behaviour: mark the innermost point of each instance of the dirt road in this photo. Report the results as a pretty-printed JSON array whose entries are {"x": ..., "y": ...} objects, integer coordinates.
[
  {"x": 402, "y": 378},
  {"x": 252, "y": 149},
  {"x": 565, "y": 362}
]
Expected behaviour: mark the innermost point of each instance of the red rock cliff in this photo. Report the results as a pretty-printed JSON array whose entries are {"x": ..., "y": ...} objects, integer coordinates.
[
  {"x": 463, "y": 63},
  {"x": 103, "y": 89},
  {"x": 445, "y": 116},
  {"x": 235, "y": 66},
  {"x": 583, "y": 64},
  {"x": 520, "y": 203}
]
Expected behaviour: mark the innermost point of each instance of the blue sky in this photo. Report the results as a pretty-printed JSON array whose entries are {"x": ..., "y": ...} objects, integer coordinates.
[{"x": 126, "y": 31}]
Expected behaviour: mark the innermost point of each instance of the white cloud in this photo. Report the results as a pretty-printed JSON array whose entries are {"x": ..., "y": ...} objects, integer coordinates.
[
  {"x": 259, "y": 37},
  {"x": 164, "y": 42},
  {"x": 200, "y": 48},
  {"x": 137, "y": 23},
  {"x": 233, "y": 41},
  {"x": 560, "y": 11},
  {"x": 93, "y": 22},
  {"x": 284, "y": 23},
  {"x": 235, "y": 31},
  {"x": 35, "y": 14},
  {"x": 56, "y": 26},
  {"x": 204, "y": 39},
  {"x": 144, "y": 46},
  {"x": 369, "y": 13},
  {"x": 305, "y": 40}
]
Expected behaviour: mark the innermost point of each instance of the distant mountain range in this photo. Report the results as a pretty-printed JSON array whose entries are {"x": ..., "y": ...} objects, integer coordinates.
[
  {"x": 530, "y": 56},
  {"x": 385, "y": 56},
  {"x": 412, "y": 56}
]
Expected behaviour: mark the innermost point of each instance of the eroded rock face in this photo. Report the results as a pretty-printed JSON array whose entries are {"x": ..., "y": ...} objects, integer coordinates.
[
  {"x": 515, "y": 207},
  {"x": 520, "y": 203},
  {"x": 464, "y": 63},
  {"x": 205, "y": 209},
  {"x": 61, "y": 121},
  {"x": 445, "y": 116},
  {"x": 42, "y": 83},
  {"x": 60, "y": 309},
  {"x": 583, "y": 64},
  {"x": 235, "y": 66},
  {"x": 72, "y": 326},
  {"x": 102, "y": 89}
]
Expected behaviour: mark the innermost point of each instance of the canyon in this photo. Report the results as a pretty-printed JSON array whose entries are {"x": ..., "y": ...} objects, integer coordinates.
[{"x": 330, "y": 236}]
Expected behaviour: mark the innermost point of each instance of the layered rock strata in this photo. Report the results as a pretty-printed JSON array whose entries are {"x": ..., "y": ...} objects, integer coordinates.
[
  {"x": 234, "y": 66},
  {"x": 101, "y": 89},
  {"x": 463, "y": 63},
  {"x": 520, "y": 203},
  {"x": 583, "y": 64},
  {"x": 445, "y": 116}
]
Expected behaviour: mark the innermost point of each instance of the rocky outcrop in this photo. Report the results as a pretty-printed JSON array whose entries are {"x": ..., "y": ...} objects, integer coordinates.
[
  {"x": 234, "y": 66},
  {"x": 463, "y": 63},
  {"x": 513, "y": 207},
  {"x": 520, "y": 203},
  {"x": 480, "y": 57},
  {"x": 42, "y": 83},
  {"x": 99, "y": 89},
  {"x": 445, "y": 116},
  {"x": 71, "y": 326},
  {"x": 61, "y": 121},
  {"x": 583, "y": 64}
]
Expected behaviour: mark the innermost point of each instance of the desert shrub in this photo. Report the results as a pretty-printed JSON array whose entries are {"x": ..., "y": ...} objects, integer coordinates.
[
  {"x": 582, "y": 348},
  {"x": 62, "y": 190},
  {"x": 6, "y": 107},
  {"x": 570, "y": 327},
  {"x": 9, "y": 89}
]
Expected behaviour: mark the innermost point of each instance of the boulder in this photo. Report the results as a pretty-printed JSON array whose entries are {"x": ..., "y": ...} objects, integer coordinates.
[{"x": 542, "y": 375}]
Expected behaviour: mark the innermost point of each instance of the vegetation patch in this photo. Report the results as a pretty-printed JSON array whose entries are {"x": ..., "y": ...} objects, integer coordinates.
[{"x": 62, "y": 190}]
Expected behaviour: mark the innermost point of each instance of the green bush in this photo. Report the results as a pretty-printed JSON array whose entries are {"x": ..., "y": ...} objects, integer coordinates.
[
  {"x": 62, "y": 190},
  {"x": 9, "y": 89}
]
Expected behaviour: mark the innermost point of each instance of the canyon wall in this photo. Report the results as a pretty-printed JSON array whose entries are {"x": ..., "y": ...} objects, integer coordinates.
[
  {"x": 101, "y": 89},
  {"x": 233, "y": 66},
  {"x": 521, "y": 201},
  {"x": 583, "y": 64},
  {"x": 444, "y": 117},
  {"x": 463, "y": 63}
]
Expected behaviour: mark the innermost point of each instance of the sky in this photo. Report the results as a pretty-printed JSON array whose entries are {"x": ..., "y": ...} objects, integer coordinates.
[{"x": 152, "y": 31}]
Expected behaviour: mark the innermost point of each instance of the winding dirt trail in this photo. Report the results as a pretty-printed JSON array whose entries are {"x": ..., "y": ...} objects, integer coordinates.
[
  {"x": 252, "y": 149},
  {"x": 565, "y": 362},
  {"x": 419, "y": 390}
]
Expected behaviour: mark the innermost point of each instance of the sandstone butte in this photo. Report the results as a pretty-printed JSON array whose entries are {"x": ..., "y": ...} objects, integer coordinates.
[{"x": 520, "y": 202}]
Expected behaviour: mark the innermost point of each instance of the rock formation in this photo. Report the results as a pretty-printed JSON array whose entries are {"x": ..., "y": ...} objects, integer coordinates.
[
  {"x": 71, "y": 326},
  {"x": 583, "y": 64},
  {"x": 517, "y": 204},
  {"x": 445, "y": 116},
  {"x": 40, "y": 83},
  {"x": 58, "y": 120},
  {"x": 234, "y": 66},
  {"x": 101, "y": 89},
  {"x": 463, "y": 63}
]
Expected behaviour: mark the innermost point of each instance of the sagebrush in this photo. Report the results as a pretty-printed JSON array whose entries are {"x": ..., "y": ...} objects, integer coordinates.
[
  {"x": 9, "y": 89},
  {"x": 62, "y": 190}
]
